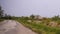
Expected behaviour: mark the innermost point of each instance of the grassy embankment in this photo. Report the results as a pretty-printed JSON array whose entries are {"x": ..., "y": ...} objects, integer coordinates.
[{"x": 40, "y": 28}]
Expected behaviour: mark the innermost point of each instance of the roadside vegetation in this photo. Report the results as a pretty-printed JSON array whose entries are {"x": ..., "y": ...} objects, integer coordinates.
[
  {"x": 4, "y": 16},
  {"x": 42, "y": 26}
]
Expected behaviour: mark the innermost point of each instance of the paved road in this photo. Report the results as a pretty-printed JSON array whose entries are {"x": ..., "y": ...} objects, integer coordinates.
[{"x": 14, "y": 27}]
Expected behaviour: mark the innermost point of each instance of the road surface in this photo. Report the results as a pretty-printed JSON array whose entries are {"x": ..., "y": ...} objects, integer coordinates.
[{"x": 14, "y": 27}]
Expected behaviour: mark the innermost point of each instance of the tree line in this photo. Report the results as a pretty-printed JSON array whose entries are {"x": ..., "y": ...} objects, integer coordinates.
[{"x": 3, "y": 15}]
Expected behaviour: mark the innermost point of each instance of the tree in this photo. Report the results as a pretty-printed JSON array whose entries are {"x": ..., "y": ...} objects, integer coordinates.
[
  {"x": 26, "y": 18},
  {"x": 56, "y": 18},
  {"x": 7, "y": 16},
  {"x": 32, "y": 16},
  {"x": 1, "y": 12}
]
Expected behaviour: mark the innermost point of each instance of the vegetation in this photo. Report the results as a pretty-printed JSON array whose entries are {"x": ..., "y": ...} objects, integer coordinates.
[
  {"x": 4, "y": 16},
  {"x": 45, "y": 26}
]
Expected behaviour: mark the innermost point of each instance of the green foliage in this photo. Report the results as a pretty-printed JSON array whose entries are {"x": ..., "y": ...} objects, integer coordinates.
[
  {"x": 1, "y": 12},
  {"x": 0, "y": 19},
  {"x": 7, "y": 16},
  {"x": 32, "y": 16},
  {"x": 41, "y": 28},
  {"x": 56, "y": 18},
  {"x": 58, "y": 32}
]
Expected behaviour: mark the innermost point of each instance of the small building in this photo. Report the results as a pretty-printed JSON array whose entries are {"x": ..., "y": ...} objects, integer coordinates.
[{"x": 38, "y": 17}]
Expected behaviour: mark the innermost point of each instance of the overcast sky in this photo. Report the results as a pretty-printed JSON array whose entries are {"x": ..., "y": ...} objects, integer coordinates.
[{"x": 47, "y": 8}]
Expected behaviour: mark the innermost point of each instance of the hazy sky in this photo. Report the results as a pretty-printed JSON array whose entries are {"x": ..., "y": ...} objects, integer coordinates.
[{"x": 45, "y": 8}]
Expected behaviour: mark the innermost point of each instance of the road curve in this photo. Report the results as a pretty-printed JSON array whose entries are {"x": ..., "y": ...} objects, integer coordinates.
[{"x": 14, "y": 27}]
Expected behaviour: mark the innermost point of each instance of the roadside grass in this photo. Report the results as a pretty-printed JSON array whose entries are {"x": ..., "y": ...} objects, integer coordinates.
[
  {"x": 1, "y": 20},
  {"x": 40, "y": 28}
]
